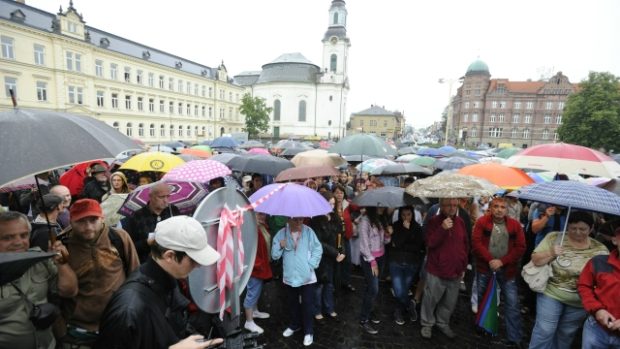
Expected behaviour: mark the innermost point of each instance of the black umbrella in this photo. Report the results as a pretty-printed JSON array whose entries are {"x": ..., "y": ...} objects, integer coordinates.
[
  {"x": 263, "y": 164},
  {"x": 252, "y": 144},
  {"x": 391, "y": 197},
  {"x": 224, "y": 158},
  {"x": 14, "y": 264},
  {"x": 32, "y": 142}
]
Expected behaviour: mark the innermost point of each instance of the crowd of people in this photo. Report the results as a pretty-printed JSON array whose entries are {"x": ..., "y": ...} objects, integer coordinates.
[{"x": 121, "y": 282}]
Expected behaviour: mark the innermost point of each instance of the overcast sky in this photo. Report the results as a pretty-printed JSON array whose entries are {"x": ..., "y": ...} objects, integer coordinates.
[{"x": 400, "y": 48}]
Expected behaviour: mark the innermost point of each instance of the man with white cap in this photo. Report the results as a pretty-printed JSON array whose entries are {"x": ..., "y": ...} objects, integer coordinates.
[{"x": 139, "y": 313}]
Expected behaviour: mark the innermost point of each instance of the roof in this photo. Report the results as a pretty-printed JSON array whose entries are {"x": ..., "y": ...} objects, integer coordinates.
[
  {"x": 477, "y": 67},
  {"x": 294, "y": 57},
  {"x": 517, "y": 86},
  {"x": 376, "y": 110}
]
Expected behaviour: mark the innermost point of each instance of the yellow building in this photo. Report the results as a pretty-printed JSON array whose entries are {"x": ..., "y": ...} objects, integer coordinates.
[
  {"x": 56, "y": 62},
  {"x": 378, "y": 121}
]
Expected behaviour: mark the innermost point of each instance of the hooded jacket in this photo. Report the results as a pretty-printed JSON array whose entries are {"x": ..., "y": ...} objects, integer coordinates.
[{"x": 298, "y": 263}]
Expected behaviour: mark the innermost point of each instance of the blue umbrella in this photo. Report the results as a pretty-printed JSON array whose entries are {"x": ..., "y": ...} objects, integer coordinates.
[
  {"x": 453, "y": 163},
  {"x": 447, "y": 150},
  {"x": 429, "y": 152},
  {"x": 224, "y": 142}
]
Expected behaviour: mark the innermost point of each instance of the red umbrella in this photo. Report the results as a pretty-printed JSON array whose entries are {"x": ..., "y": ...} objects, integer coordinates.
[
  {"x": 74, "y": 178},
  {"x": 297, "y": 173}
]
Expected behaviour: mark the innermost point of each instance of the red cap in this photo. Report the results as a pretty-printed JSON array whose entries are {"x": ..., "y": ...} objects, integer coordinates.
[{"x": 85, "y": 208}]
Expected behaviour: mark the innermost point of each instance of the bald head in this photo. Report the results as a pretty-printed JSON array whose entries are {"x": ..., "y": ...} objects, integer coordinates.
[
  {"x": 64, "y": 193},
  {"x": 159, "y": 197}
]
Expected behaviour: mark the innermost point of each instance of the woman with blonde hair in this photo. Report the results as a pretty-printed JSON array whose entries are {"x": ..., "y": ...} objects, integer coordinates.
[{"x": 112, "y": 201}]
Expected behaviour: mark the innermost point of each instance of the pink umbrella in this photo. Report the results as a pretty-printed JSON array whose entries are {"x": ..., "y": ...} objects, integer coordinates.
[
  {"x": 257, "y": 151},
  {"x": 200, "y": 171}
]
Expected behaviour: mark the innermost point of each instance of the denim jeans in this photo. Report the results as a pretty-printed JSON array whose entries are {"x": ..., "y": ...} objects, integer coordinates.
[
  {"x": 556, "y": 323},
  {"x": 372, "y": 288},
  {"x": 301, "y": 313},
  {"x": 512, "y": 312},
  {"x": 595, "y": 337},
  {"x": 324, "y": 295},
  {"x": 253, "y": 291},
  {"x": 402, "y": 276}
]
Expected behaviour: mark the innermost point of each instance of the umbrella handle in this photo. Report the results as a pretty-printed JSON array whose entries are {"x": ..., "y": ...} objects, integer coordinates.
[{"x": 557, "y": 259}]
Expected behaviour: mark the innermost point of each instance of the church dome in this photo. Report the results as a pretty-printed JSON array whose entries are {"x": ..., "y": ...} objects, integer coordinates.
[
  {"x": 478, "y": 67},
  {"x": 289, "y": 67}
]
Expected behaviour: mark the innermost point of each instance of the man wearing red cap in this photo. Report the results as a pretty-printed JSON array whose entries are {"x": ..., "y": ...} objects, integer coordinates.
[
  {"x": 102, "y": 258},
  {"x": 598, "y": 286}
]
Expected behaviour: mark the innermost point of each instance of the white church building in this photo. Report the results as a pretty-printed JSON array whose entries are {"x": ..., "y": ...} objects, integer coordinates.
[{"x": 309, "y": 101}]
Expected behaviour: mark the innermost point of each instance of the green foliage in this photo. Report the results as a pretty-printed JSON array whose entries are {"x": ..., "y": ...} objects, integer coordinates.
[
  {"x": 256, "y": 115},
  {"x": 592, "y": 115}
]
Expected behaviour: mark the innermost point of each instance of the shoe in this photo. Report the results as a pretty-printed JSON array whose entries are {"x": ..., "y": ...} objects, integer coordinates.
[
  {"x": 350, "y": 288},
  {"x": 474, "y": 309},
  {"x": 333, "y": 315},
  {"x": 413, "y": 313},
  {"x": 289, "y": 332},
  {"x": 398, "y": 317},
  {"x": 368, "y": 327},
  {"x": 308, "y": 339},
  {"x": 253, "y": 327},
  {"x": 375, "y": 320},
  {"x": 318, "y": 317},
  {"x": 260, "y": 315},
  {"x": 426, "y": 332},
  {"x": 447, "y": 331},
  {"x": 463, "y": 287}
]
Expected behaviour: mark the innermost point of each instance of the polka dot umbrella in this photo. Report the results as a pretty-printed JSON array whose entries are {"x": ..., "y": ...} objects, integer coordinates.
[{"x": 200, "y": 171}]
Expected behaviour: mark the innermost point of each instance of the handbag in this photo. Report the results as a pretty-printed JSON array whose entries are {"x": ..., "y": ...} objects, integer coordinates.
[
  {"x": 42, "y": 315},
  {"x": 536, "y": 276}
]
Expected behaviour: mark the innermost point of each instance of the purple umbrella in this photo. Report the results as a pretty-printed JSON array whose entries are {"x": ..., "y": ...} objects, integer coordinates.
[
  {"x": 290, "y": 200},
  {"x": 201, "y": 171},
  {"x": 183, "y": 194}
]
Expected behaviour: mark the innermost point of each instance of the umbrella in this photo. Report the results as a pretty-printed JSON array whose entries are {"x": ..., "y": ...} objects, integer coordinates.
[
  {"x": 74, "y": 177},
  {"x": 492, "y": 159},
  {"x": 175, "y": 145},
  {"x": 451, "y": 186},
  {"x": 464, "y": 154},
  {"x": 22, "y": 184},
  {"x": 252, "y": 144},
  {"x": 407, "y": 158},
  {"x": 506, "y": 177},
  {"x": 292, "y": 151},
  {"x": 447, "y": 150},
  {"x": 429, "y": 152},
  {"x": 202, "y": 147},
  {"x": 400, "y": 169},
  {"x": 290, "y": 200},
  {"x": 224, "y": 142},
  {"x": 487, "y": 317},
  {"x": 424, "y": 161},
  {"x": 407, "y": 150},
  {"x": 204, "y": 154},
  {"x": 363, "y": 144},
  {"x": 566, "y": 158},
  {"x": 161, "y": 148},
  {"x": 536, "y": 177},
  {"x": 27, "y": 136},
  {"x": 300, "y": 173},
  {"x": 15, "y": 264},
  {"x": 263, "y": 164},
  {"x": 317, "y": 157},
  {"x": 358, "y": 158},
  {"x": 200, "y": 171},
  {"x": 508, "y": 152},
  {"x": 224, "y": 158},
  {"x": 257, "y": 151},
  {"x": 372, "y": 164},
  {"x": 326, "y": 144},
  {"x": 287, "y": 143},
  {"x": 390, "y": 197},
  {"x": 453, "y": 163},
  {"x": 183, "y": 194},
  {"x": 152, "y": 161}
]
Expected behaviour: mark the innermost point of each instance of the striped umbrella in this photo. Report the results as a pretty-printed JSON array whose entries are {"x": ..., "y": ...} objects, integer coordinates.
[{"x": 183, "y": 194}]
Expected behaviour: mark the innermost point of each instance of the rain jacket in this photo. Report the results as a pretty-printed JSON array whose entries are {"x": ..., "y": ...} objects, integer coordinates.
[
  {"x": 599, "y": 283},
  {"x": 298, "y": 263}
]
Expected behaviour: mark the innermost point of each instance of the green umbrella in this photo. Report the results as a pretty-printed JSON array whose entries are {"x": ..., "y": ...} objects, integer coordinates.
[
  {"x": 423, "y": 161},
  {"x": 202, "y": 147},
  {"x": 508, "y": 152},
  {"x": 363, "y": 144}
]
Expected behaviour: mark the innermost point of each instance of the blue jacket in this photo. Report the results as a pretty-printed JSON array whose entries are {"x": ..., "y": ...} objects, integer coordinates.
[{"x": 298, "y": 263}]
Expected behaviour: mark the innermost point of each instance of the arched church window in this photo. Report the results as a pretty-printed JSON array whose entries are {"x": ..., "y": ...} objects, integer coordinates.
[
  {"x": 333, "y": 61},
  {"x": 302, "y": 111},
  {"x": 276, "y": 110}
]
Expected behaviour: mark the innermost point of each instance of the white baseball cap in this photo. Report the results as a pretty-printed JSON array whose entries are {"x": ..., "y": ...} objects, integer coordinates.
[{"x": 186, "y": 234}]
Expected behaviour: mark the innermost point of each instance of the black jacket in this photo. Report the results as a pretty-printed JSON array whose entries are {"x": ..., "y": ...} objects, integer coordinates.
[
  {"x": 143, "y": 222},
  {"x": 40, "y": 236},
  {"x": 94, "y": 190},
  {"x": 407, "y": 245},
  {"x": 327, "y": 232},
  {"x": 148, "y": 311}
]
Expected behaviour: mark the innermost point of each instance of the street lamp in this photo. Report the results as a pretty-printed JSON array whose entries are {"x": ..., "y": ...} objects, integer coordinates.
[{"x": 449, "y": 116}]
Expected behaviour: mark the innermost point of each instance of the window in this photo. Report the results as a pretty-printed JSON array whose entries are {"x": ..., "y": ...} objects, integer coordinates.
[
  {"x": 492, "y": 118},
  {"x": 203, "y": 90},
  {"x": 528, "y": 119},
  {"x": 41, "y": 91},
  {"x": 558, "y": 119},
  {"x": 75, "y": 95},
  {"x": 180, "y": 109},
  {"x": 476, "y": 104},
  {"x": 196, "y": 90},
  {"x": 188, "y": 107},
  {"x": 74, "y": 61},
  {"x": 7, "y": 47},
  {"x": 210, "y": 112},
  {"x": 373, "y": 122},
  {"x": 115, "y": 125},
  {"x": 139, "y": 77},
  {"x": 473, "y": 132},
  {"x": 502, "y": 105},
  {"x": 113, "y": 68},
  {"x": 195, "y": 109},
  {"x": 210, "y": 92},
  {"x": 189, "y": 88},
  {"x": 161, "y": 81},
  {"x": 515, "y": 118},
  {"x": 474, "y": 117},
  {"x": 549, "y": 105},
  {"x": 494, "y": 104},
  {"x": 189, "y": 131},
  {"x": 162, "y": 106},
  {"x": 222, "y": 94},
  {"x": 72, "y": 27},
  {"x": 127, "y": 74},
  {"x": 152, "y": 105},
  {"x": 141, "y": 103},
  {"x": 514, "y": 133},
  {"x": 171, "y": 107},
  {"x": 361, "y": 122},
  {"x": 529, "y": 105},
  {"x": 501, "y": 89},
  {"x": 333, "y": 63},
  {"x": 99, "y": 68},
  {"x": 171, "y": 130},
  {"x": 230, "y": 113},
  {"x": 477, "y": 92},
  {"x": 152, "y": 130},
  {"x": 180, "y": 86},
  {"x": 162, "y": 131},
  {"x": 466, "y": 105},
  {"x": 495, "y": 132},
  {"x": 547, "y": 119},
  {"x": 560, "y": 105},
  {"x": 545, "y": 134},
  {"x": 127, "y": 102},
  {"x": 556, "y": 136},
  {"x": 100, "y": 100},
  {"x": 129, "y": 129},
  {"x": 500, "y": 118},
  {"x": 141, "y": 130},
  {"x": 115, "y": 100},
  {"x": 276, "y": 110},
  {"x": 221, "y": 113},
  {"x": 526, "y": 133},
  {"x": 39, "y": 54},
  {"x": 230, "y": 94},
  {"x": 465, "y": 117},
  {"x": 302, "y": 111},
  {"x": 180, "y": 130},
  {"x": 204, "y": 111},
  {"x": 151, "y": 79},
  {"x": 517, "y": 105},
  {"x": 171, "y": 84}
]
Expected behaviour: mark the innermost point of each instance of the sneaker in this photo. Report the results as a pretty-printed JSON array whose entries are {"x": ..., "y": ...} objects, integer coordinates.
[
  {"x": 333, "y": 315},
  {"x": 289, "y": 332},
  {"x": 349, "y": 288},
  {"x": 413, "y": 313},
  {"x": 308, "y": 339},
  {"x": 318, "y": 317},
  {"x": 253, "y": 327},
  {"x": 260, "y": 315},
  {"x": 447, "y": 331},
  {"x": 426, "y": 332},
  {"x": 375, "y": 320},
  {"x": 474, "y": 308},
  {"x": 398, "y": 317},
  {"x": 368, "y": 327}
]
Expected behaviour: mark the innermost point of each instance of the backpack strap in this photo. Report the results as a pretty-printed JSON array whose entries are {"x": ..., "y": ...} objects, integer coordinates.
[{"x": 117, "y": 242}]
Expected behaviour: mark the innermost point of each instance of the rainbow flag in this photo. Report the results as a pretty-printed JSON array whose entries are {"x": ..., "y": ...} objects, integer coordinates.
[{"x": 487, "y": 317}]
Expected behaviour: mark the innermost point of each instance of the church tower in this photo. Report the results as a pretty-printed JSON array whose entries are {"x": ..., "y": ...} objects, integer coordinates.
[{"x": 336, "y": 45}]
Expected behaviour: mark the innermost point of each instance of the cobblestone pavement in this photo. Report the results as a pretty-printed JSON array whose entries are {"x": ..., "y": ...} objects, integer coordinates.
[{"x": 345, "y": 333}]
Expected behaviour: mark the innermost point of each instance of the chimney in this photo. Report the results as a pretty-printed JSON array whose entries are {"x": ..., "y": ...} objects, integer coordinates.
[{"x": 21, "y": 1}]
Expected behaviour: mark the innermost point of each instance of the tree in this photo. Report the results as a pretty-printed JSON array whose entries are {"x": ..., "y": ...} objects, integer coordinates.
[
  {"x": 256, "y": 115},
  {"x": 592, "y": 115}
]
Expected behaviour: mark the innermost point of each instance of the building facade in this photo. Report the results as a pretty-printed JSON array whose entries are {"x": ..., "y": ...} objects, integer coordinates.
[
  {"x": 378, "y": 121},
  {"x": 500, "y": 111},
  {"x": 56, "y": 62},
  {"x": 309, "y": 101}
]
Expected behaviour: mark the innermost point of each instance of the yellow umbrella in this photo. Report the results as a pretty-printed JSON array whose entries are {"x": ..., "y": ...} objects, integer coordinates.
[{"x": 152, "y": 161}]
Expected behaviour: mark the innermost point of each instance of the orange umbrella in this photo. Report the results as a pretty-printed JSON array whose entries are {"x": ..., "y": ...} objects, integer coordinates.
[
  {"x": 506, "y": 177},
  {"x": 196, "y": 152}
]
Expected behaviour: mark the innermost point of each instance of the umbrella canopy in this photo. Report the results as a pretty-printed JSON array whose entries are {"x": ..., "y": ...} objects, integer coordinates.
[
  {"x": 263, "y": 164},
  {"x": 177, "y": 145},
  {"x": 152, "y": 161},
  {"x": 429, "y": 152},
  {"x": 390, "y": 197},
  {"x": 252, "y": 144},
  {"x": 451, "y": 186},
  {"x": 183, "y": 194},
  {"x": 288, "y": 143},
  {"x": 506, "y": 177},
  {"x": 202, "y": 147},
  {"x": 161, "y": 148},
  {"x": 358, "y": 158},
  {"x": 372, "y": 164},
  {"x": 305, "y": 172},
  {"x": 453, "y": 163},
  {"x": 290, "y": 152},
  {"x": 407, "y": 158},
  {"x": 566, "y": 158},
  {"x": 487, "y": 317},
  {"x": 196, "y": 152},
  {"x": 400, "y": 169},
  {"x": 407, "y": 150},
  {"x": 25, "y": 136},
  {"x": 256, "y": 151},
  {"x": 290, "y": 200},
  {"x": 465, "y": 154},
  {"x": 508, "y": 152},
  {"x": 224, "y": 142},
  {"x": 317, "y": 157},
  {"x": 21, "y": 184},
  {"x": 447, "y": 150},
  {"x": 200, "y": 171},
  {"x": 363, "y": 144},
  {"x": 224, "y": 158},
  {"x": 74, "y": 178},
  {"x": 573, "y": 194},
  {"x": 15, "y": 264},
  {"x": 424, "y": 161},
  {"x": 326, "y": 144},
  {"x": 492, "y": 159}
]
